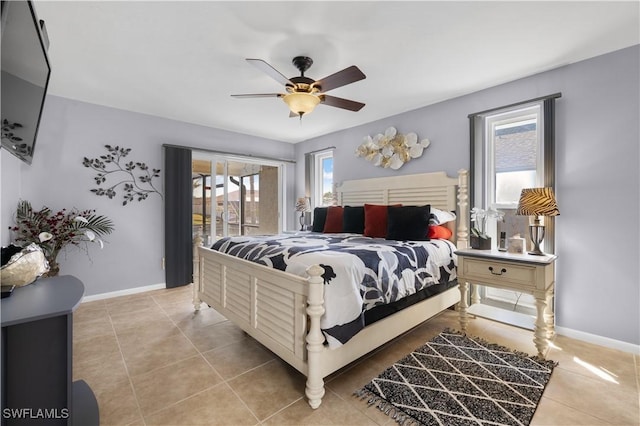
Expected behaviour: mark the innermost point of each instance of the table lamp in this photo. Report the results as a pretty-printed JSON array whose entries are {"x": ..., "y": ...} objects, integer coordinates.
[
  {"x": 537, "y": 202},
  {"x": 302, "y": 206}
]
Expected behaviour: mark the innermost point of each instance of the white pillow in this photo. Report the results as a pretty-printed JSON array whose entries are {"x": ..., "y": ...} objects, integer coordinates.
[{"x": 440, "y": 217}]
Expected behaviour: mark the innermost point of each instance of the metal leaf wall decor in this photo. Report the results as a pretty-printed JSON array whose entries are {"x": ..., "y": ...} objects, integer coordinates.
[
  {"x": 136, "y": 179},
  {"x": 391, "y": 149}
]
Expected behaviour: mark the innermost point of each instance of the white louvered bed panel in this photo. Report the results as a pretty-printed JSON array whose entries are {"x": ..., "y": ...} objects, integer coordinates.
[
  {"x": 436, "y": 197},
  {"x": 212, "y": 269},
  {"x": 237, "y": 295},
  {"x": 361, "y": 198},
  {"x": 275, "y": 313},
  {"x": 436, "y": 189}
]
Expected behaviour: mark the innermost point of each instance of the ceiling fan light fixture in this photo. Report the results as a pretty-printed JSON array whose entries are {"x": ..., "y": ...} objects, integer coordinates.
[{"x": 301, "y": 103}]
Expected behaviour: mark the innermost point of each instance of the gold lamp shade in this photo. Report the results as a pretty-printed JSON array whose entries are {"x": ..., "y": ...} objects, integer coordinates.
[
  {"x": 537, "y": 202},
  {"x": 301, "y": 103}
]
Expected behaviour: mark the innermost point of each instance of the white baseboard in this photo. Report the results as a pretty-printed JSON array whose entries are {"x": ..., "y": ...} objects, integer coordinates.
[
  {"x": 125, "y": 292},
  {"x": 599, "y": 340},
  {"x": 528, "y": 321}
]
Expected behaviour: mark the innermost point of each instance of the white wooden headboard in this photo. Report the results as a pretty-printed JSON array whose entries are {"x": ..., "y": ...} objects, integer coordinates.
[{"x": 436, "y": 189}]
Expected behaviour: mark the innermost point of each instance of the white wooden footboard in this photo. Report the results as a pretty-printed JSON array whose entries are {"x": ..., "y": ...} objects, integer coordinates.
[{"x": 280, "y": 310}]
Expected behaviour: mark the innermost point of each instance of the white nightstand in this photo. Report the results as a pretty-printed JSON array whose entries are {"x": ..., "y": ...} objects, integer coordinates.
[{"x": 524, "y": 273}]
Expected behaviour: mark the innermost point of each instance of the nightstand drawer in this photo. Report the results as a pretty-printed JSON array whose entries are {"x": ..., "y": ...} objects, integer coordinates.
[{"x": 499, "y": 272}]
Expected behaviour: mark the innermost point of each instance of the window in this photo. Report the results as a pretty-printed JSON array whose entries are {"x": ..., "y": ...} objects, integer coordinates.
[
  {"x": 319, "y": 177},
  {"x": 323, "y": 181},
  {"x": 512, "y": 148}
]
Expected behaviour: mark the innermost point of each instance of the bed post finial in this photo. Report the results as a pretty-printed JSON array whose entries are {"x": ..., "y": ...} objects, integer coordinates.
[
  {"x": 463, "y": 209},
  {"x": 197, "y": 242},
  {"x": 315, "y": 338}
]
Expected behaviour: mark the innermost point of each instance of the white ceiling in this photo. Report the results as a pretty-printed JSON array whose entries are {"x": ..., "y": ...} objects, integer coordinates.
[{"x": 182, "y": 60}]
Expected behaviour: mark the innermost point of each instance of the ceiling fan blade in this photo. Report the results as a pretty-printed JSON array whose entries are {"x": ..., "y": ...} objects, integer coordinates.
[
  {"x": 259, "y": 95},
  {"x": 270, "y": 71},
  {"x": 293, "y": 114},
  {"x": 341, "y": 103},
  {"x": 341, "y": 78}
]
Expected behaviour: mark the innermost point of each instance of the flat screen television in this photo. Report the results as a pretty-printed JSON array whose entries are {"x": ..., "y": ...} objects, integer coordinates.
[{"x": 25, "y": 77}]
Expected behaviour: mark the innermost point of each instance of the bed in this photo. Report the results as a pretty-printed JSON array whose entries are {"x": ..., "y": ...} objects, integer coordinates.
[{"x": 283, "y": 311}]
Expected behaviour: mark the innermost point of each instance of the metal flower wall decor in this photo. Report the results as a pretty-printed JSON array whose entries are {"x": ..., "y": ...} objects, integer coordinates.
[
  {"x": 391, "y": 149},
  {"x": 135, "y": 186}
]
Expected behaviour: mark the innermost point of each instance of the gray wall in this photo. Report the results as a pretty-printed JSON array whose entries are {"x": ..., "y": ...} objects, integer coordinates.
[
  {"x": 598, "y": 183},
  {"x": 71, "y": 130}
]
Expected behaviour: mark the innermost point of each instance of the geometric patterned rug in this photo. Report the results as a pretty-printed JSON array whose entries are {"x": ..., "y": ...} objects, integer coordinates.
[{"x": 458, "y": 380}]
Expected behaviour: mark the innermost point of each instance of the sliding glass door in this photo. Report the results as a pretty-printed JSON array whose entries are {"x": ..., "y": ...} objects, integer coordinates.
[{"x": 235, "y": 196}]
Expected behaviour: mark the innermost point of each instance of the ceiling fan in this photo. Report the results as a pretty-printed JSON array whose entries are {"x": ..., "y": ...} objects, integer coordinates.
[{"x": 303, "y": 94}]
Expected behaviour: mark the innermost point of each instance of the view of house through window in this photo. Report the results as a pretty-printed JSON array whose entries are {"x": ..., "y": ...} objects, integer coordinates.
[{"x": 515, "y": 149}]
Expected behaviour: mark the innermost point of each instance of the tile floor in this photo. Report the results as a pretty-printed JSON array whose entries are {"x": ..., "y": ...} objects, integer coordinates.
[{"x": 151, "y": 360}]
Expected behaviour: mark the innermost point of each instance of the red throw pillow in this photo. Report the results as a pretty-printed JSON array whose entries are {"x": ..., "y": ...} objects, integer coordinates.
[
  {"x": 439, "y": 231},
  {"x": 375, "y": 220},
  {"x": 333, "y": 224}
]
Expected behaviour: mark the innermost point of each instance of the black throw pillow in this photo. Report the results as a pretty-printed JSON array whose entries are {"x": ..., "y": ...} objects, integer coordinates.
[
  {"x": 408, "y": 223},
  {"x": 353, "y": 220},
  {"x": 319, "y": 218}
]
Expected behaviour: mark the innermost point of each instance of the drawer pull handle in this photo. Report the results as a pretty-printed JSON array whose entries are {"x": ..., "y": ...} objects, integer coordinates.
[{"x": 502, "y": 271}]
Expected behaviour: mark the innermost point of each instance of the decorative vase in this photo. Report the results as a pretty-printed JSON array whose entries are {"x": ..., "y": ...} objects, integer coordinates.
[
  {"x": 54, "y": 269},
  {"x": 480, "y": 243},
  {"x": 23, "y": 266}
]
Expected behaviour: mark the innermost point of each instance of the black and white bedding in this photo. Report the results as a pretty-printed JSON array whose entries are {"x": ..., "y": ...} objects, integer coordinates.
[{"x": 360, "y": 272}]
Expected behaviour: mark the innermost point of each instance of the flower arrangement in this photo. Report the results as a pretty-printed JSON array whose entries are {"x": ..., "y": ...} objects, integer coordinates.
[
  {"x": 54, "y": 231},
  {"x": 480, "y": 216},
  {"x": 392, "y": 149}
]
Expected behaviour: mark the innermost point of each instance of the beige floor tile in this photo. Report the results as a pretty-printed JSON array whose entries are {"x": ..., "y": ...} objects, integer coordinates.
[
  {"x": 100, "y": 326},
  {"x": 157, "y": 334},
  {"x": 94, "y": 348},
  {"x": 101, "y": 373},
  {"x": 552, "y": 413},
  {"x": 137, "y": 318},
  {"x": 174, "y": 295},
  {"x": 130, "y": 339},
  {"x": 118, "y": 405},
  {"x": 514, "y": 338},
  {"x": 354, "y": 379},
  {"x": 166, "y": 386},
  {"x": 128, "y": 304},
  {"x": 214, "y": 336},
  {"x": 269, "y": 388},
  {"x": 606, "y": 401},
  {"x": 186, "y": 318},
  {"x": 238, "y": 357},
  {"x": 216, "y": 406},
  {"x": 594, "y": 361},
  {"x": 90, "y": 311},
  {"x": 332, "y": 411},
  {"x": 158, "y": 353}
]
